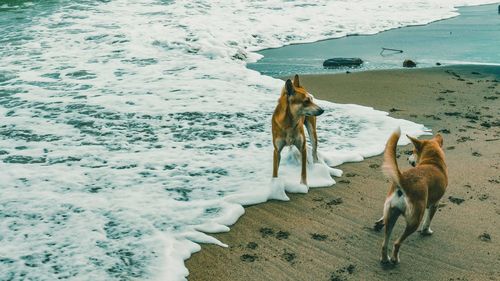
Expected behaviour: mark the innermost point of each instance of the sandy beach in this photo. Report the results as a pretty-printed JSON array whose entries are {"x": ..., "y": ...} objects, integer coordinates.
[
  {"x": 327, "y": 234},
  {"x": 132, "y": 131}
]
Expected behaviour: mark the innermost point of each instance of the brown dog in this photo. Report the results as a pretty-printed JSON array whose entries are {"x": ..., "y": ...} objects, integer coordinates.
[
  {"x": 294, "y": 110},
  {"x": 413, "y": 192}
]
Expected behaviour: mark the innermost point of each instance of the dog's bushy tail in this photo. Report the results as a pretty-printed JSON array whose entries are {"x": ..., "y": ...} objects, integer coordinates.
[{"x": 390, "y": 166}]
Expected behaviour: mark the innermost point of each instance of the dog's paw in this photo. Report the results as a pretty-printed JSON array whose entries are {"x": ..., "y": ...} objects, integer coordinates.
[
  {"x": 426, "y": 232},
  {"x": 395, "y": 260},
  {"x": 386, "y": 263},
  {"x": 385, "y": 260}
]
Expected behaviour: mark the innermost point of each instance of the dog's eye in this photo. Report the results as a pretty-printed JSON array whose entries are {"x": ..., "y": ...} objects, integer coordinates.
[{"x": 308, "y": 101}]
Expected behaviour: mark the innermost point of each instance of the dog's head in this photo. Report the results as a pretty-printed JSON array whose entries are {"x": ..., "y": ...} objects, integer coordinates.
[
  {"x": 300, "y": 101},
  {"x": 425, "y": 148}
]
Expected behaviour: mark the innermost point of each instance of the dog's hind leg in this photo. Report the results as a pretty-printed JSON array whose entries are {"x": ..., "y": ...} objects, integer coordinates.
[
  {"x": 391, "y": 215},
  {"x": 410, "y": 228},
  {"x": 426, "y": 225},
  {"x": 310, "y": 123},
  {"x": 412, "y": 222},
  {"x": 390, "y": 196}
]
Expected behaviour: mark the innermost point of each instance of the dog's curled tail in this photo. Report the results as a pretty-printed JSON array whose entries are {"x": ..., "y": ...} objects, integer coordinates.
[{"x": 390, "y": 166}]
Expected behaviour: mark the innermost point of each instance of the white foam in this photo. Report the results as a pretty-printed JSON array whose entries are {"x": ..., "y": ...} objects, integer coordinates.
[
  {"x": 277, "y": 190},
  {"x": 129, "y": 127}
]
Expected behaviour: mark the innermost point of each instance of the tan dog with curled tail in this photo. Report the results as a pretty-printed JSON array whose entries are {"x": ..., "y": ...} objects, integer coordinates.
[{"x": 413, "y": 193}]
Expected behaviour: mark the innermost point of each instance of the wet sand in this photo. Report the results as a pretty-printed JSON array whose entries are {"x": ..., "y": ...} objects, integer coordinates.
[{"x": 328, "y": 233}]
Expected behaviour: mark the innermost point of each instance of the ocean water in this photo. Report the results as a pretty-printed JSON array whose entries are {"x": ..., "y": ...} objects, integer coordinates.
[
  {"x": 471, "y": 38},
  {"x": 131, "y": 129}
]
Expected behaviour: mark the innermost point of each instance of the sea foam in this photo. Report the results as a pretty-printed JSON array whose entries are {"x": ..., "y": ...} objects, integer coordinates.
[{"x": 130, "y": 129}]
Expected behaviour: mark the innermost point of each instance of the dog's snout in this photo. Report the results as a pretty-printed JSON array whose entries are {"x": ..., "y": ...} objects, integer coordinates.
[
  {"x": 313, "y": 111},
  {"x": 412, "y": 160}
]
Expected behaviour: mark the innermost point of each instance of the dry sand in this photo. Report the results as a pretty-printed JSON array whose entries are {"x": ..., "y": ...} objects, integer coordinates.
[{"x": 327, "y": 234}]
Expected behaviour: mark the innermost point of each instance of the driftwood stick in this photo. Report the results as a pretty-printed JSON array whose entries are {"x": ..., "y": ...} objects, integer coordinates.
[{"x": 389, "y": 49}]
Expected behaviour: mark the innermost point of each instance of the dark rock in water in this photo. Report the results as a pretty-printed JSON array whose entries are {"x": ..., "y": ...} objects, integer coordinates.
[
  {"x": 341, "y": 62},
  {"x": 409, "y": 63},
  {"x": 438, "y": 63}
]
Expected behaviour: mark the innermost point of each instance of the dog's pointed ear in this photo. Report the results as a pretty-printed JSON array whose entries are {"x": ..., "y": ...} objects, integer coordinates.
[
  {"x": 290, "y": 91},
  {"x": 439, "y": 139},
  {"x": 416, "y": 142},
  {"x": 296, "y": 82}
]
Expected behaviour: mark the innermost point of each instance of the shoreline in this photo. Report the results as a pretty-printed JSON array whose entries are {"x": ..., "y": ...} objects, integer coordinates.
[
  {"x": 426, "y": 44},
  {"x": 329, "y": 229},
  {"x": 382, "y": 31}
]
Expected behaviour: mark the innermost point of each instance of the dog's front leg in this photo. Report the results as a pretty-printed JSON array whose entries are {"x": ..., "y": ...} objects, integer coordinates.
[
  {"x": 429, "y": 214},
  {"x": 276, "y": 162},
  {"x": 278, "y": 146},
  {"x": 301, "y": 146},
  {"x": 304, "y": 163},
  {"x": 310, "y": 123}
]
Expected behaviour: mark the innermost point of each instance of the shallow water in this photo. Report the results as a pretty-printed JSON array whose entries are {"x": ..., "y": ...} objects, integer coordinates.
[
  {"x": 129, "y": 129},
  {"x": 472, "y": 37}
]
